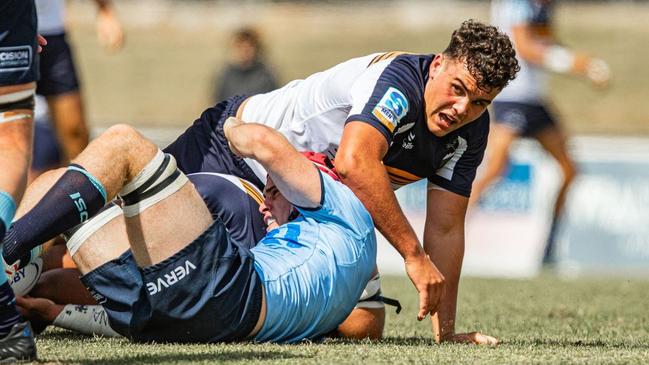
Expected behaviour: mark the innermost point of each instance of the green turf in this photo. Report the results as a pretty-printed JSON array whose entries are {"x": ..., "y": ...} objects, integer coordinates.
[{"x": 546, "y": 320}]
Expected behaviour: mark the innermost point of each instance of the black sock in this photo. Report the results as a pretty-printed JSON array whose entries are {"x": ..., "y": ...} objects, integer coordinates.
[
  {"x": 74, "y": 198},
  {"x": 8, "y": 313}
]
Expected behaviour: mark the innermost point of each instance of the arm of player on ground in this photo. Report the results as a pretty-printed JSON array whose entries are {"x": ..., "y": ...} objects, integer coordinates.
[{"x": 293, "y": 174}]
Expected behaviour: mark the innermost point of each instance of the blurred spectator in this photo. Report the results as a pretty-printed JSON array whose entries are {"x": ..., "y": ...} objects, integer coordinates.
[
  {"x": 59, "y": 83},
  {"x": 246, "y": 72},
  {"x": 522, "y": 108}
]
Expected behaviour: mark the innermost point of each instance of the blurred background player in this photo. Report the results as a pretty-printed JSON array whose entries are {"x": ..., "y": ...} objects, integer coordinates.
[
  {"x": 522, "y": 108},
  {"x": 247, "y": 72},
  {"x": 59, "y": 84},
  {"x": 19, "y": 48}
]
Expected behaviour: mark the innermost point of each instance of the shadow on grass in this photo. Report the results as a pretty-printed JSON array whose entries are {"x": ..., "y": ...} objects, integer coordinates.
[
  {"x": 579, "y": 343},
  {"x": 203, "y": 353},
  {"x": 182, "y": 357},
  {"x": 399, "y": 341}
]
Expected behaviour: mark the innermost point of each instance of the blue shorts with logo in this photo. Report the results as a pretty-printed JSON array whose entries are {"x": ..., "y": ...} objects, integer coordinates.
[
  {"x": 526, "y": 120},
  {"x": 207, "y": 292},
  {"x": 204, "y": 148},
  {"x": 58, "y": 73},
  {"x": 18, "y": 47}
]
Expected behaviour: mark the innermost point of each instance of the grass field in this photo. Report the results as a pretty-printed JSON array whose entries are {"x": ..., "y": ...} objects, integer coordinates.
[
  {"x": 542, "y": 321},
  {"x": 164, "y": 74}
]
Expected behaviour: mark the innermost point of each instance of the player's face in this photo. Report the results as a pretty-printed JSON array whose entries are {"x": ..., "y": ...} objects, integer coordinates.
[
  {"x": 275, "y": 208},
  {"x": 452, "y": 96}
]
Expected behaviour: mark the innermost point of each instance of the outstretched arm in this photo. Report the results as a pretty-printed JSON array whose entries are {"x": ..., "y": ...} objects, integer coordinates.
[
  {"x": 444, "y": 242},
  {"x": 293, "y": 174},
  {"x": 547, "y": 52},
  {"x": 358, "y": 161}
]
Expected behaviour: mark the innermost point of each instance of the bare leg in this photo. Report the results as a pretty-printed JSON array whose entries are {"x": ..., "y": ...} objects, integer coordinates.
[
  {"x": 500, "y": 139},
  {"x": 554, "y": 141},
  {"x": 69, "y": 122},
  {"x": 16, "y": 147}
]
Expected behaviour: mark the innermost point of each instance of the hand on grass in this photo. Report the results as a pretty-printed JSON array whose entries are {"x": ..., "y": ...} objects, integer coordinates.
[
  {"x": 428, "y": 281},
  {"x": 38, "y": 308},
  {"x": 475, "y": 338}
]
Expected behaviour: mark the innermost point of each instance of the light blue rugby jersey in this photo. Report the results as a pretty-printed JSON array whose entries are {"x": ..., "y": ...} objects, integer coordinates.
[{"x": 314, "y": 268}]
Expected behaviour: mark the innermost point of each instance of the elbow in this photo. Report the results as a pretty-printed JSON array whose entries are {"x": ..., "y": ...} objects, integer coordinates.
[{"x": 349, "y": 167}]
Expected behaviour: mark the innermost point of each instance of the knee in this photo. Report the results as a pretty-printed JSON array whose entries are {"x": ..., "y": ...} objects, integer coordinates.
[
  {"x": 124, "y": 136},
  {"x": 569, "y": 173}
]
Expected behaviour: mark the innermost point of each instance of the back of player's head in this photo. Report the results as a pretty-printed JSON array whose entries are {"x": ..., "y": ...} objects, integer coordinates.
[
  {"x": 488, "y": 54},
  {"x": 323, "y": 163}
]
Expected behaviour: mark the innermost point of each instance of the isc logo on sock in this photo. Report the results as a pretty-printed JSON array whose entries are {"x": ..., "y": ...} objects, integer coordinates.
[
  {"x": 174, "y": 276},
  {"x": 81, "y": 206}
]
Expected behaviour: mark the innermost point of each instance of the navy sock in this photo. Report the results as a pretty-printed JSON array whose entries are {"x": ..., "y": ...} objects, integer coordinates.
[
  {"x": 74, "y": 198},
  {"x": 8, "y": 313}
]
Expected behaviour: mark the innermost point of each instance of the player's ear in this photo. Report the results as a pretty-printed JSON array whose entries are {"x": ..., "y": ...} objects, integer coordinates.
[{"x": 436, "y": 65}]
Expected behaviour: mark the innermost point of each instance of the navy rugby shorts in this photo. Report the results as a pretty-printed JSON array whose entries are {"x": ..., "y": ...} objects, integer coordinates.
[
  {"x": 47, "y": 152},
  {"x": 525, "y": 119},
  {"x": 207, "y": 292},
  {"x": 204, "y": 148},
  {"x": 58, "y": 74},
  {"x": 18, "y": 48}
]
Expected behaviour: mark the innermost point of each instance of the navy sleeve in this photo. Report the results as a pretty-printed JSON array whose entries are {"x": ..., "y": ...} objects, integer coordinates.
[{"x": 387, "y": 95}]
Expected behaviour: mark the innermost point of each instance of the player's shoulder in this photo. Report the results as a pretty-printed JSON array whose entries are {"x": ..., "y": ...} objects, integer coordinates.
[
  {"x": 404, "y": 64},
  {"x": 476, "y": 130}
]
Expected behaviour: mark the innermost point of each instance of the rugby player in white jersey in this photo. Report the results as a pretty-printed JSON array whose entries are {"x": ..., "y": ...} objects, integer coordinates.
[
  {"x": 390, "y": 119},
  {"x": 523, "y": 109}
]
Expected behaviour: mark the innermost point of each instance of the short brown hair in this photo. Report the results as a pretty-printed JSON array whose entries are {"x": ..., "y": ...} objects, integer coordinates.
[{"x": 488, "y": 54}]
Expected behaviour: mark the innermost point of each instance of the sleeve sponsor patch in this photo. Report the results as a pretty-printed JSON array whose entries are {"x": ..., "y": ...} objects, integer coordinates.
[{"x": 391, "y": 108}]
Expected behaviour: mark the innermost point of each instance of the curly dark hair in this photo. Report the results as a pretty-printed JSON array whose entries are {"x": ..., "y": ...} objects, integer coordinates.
[{"x": 488, "y": 53}]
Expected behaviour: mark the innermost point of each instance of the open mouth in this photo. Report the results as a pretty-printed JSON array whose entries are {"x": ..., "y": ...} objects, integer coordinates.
[
  {"x": 447, "y": 121},
  {"x": 269, "y": 220}
]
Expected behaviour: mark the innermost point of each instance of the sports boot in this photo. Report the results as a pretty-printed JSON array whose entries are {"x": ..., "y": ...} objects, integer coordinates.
[{"x": 18, "y": 345}]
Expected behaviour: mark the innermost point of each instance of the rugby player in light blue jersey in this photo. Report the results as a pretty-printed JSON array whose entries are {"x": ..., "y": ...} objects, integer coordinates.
[
  {"x": 194, "y": 283},
  {"x": 60, "y": 299},
  {"x": 523, "y": 109}
]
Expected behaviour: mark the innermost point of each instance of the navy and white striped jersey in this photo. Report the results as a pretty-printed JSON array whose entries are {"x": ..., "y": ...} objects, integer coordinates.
[{"x": 385, "y": 90}]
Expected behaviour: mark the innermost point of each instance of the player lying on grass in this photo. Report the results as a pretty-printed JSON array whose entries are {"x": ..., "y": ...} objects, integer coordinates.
[
  {"x": 234, "y": 201},
  {"x": 390, "y": 119},
  {"x": 186, "y": 279}
]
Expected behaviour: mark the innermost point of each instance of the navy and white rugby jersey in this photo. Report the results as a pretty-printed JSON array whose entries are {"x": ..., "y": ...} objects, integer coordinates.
[
  {"x": 235, "y": 202},
  {"x": 385, "y": 90},
  {"x": 530, "y": 85}
]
